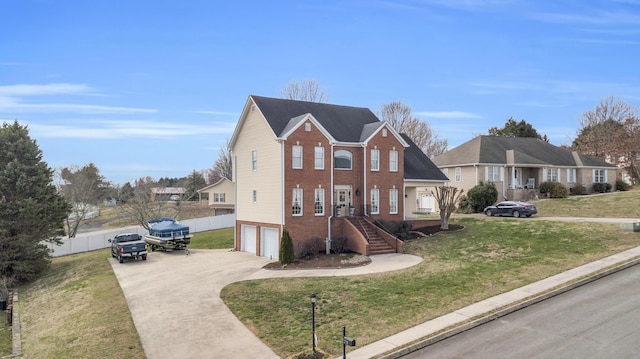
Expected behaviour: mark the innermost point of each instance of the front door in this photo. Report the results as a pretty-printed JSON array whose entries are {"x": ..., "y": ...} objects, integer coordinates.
[{"x": 343, "y": 199}]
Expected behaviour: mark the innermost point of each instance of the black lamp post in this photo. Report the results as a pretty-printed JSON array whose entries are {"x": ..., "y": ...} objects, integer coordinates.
[{"x": 313, "y": 322}]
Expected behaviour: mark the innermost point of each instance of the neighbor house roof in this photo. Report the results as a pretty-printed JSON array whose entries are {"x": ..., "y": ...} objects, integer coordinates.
[
  {"x": 417, "y": 166},
  {"x": 527, "y": 151}
]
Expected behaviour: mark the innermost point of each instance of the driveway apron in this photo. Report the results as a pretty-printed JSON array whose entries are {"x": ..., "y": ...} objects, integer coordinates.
[{"x": 175, "y": 303}]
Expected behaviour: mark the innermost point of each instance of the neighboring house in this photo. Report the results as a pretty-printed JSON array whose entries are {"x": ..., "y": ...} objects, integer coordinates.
[
  {"x": 165, "y": 193},
  {"x": 518, "y": 165},
  {"x": 221, "y": 197},
  {"x": 307, "y": 167}
]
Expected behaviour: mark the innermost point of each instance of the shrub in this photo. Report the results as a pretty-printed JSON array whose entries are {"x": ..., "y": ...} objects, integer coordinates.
[
  {"x": 621, "y": 185},
  {"x": 339, "y": 244},
  {"x": 601, "y": 187},
  {"x": 399, "y": 229},
  {"x": 464, "y": 206},
  {"x": 286, "y": 249},
  {"x": 482, "y": 195},
  {"x": 579, "y": 190},
  {"x": 554, "y": 189}
]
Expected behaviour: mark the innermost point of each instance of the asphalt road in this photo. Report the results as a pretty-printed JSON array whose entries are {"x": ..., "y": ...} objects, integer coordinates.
[{"x": 598, "y": 320}]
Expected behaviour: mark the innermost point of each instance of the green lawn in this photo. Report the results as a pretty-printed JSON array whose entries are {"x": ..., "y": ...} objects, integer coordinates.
[
  {"x": 608, "y": 205},
  {"x": 489, "y": 257},
  {"x": 216, "y": 239},
  {"x": 5, "y": 337}
]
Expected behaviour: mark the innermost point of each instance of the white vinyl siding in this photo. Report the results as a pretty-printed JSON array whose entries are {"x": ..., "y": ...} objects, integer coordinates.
[
  {"x": 296, "y": 157},
  {"x": 393, "y": 201},
  {"x": 393, "y": 161},
  {"x": 318, "y": 202},
  {"x": 319, "y": 158},
  {"x": 375, "y": 160},
  {"x": 375, "y": 201}
]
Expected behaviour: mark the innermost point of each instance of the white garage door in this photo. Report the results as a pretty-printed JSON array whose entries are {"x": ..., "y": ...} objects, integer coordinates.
[
  {"x": 248, "y": 238},
  {"x": 269, "y": 243},
  {"x": 427, "y": 203}
]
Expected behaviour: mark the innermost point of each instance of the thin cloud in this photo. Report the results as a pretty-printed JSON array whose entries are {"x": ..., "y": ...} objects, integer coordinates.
[
  {"x": 449, "y": 114},
  {"x": 8, "y": 104},
  {"x": 48, "y": 89},
  {"x": 600, "y": 18},
  {"x": 128, "y": 129},
  {"x": 219, "y": 113}
]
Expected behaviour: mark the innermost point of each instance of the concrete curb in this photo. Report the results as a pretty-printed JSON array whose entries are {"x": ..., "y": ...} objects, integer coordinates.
[{"x": 493, "y": 315}]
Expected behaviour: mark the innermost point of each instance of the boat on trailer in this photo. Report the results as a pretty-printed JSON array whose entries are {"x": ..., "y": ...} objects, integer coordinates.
[{"x": 167, "y": 234}]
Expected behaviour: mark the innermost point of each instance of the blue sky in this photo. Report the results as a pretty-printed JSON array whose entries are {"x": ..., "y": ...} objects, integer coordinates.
[{"x": 155, "y": 88}]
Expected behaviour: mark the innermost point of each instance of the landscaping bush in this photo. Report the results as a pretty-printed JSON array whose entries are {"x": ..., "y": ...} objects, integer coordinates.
[
  {"x": 601, "y": 187},
  {"x": 310, "y": 247},
  {"x": 579, "y": 190},
  {"x": 339, "y": 244},
  {"x": 554, "y": 189},
  {"x": 464, "y": 206},
  {"x": 482, "y": 195},
  {"x": 399, "y": 229},
  {"x": 621, "y": 185},
  {"x": 287, "y": 254}
]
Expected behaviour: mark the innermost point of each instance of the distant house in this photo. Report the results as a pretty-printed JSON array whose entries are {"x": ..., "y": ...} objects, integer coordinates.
[
  {"x": 323, "y": 171},
  {"x": 166, "y": 193},
  {"x": 220, "y": 196},
  {"x": 518, "y": 165}
]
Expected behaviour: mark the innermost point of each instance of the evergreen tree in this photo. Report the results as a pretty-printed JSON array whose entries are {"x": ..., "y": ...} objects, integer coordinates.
[
  {"x": 31, "y": 210},
  {"x": 287, "y": 254},
  {"x": 517, "y": 129}
]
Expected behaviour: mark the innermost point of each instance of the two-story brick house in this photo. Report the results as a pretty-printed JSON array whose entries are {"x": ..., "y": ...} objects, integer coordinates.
[{"x": 306, "y": 166}]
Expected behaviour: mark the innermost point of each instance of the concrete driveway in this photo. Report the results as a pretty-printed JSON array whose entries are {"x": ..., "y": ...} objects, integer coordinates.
[{"x": 176, "y": 307}]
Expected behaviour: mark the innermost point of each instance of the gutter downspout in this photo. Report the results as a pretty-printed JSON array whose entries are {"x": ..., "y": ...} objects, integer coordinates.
[
  {"x": 234, "y": 162},
  {"x": 328, "y": 241},
  {"x": 364, "y": 177},
  {"x": 282, "y": 185}
]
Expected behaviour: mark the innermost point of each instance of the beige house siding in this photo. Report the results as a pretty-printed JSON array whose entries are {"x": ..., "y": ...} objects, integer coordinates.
[
  {"x": 224, "y": 186},
  {"x": 266, "y": 180},
  {"x": 414, "y": 190}
]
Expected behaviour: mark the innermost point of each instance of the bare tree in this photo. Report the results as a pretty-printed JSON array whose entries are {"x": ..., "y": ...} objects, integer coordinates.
[
  {"x": 400, "y": 117},
  {"x": 142, "y": 207},
  {"x": 448, "y": 198},
  {"x": 305, "y": 90},
  {"x": 83, "y": 187},
  {"x": 222, "y": 168}
]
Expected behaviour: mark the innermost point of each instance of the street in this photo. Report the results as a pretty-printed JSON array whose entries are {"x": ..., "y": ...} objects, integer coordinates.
[{"x": 598, "y": 320}]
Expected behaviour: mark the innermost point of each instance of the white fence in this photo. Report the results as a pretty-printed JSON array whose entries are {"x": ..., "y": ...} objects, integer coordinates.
[{"x": 90, "y": 241}]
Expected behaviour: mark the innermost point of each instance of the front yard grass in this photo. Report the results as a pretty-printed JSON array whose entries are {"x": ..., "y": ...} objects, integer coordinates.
[
  {"x": 215, "y": 239},
  {"x": 622, "y": 204},
  {"x": 489, "y": 257}
]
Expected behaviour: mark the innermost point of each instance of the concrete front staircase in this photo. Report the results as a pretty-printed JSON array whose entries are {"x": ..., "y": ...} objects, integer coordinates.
[{"x": 377, "y": 245}]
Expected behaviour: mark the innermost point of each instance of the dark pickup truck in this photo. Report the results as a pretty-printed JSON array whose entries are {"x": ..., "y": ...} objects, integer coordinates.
[{"x": 128, "y": 245}]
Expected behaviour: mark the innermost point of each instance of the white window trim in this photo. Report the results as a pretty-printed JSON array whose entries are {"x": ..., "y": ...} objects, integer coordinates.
[
  {"x": 493, "y": 169},
  {"x": 458, "y": 174},
  {"x": 293, "y": 201},
  {"x": 393, "y": 161},
  {"x": 294, "y": 157},
  {"x": 595, "y": 170},
  {"x": 318, "y": 191},
  {"x": 315, "y": 158},
  {"x": 393, "y": 201},
  {"x": 375, "y": 160},
  {"x": 350, "y": 161},
  {"x": 375, "y": 198},
  {"x": 254, "y": 196},
  {"x": 254, "y": 160},
  {"x": 571, "y": 175}
]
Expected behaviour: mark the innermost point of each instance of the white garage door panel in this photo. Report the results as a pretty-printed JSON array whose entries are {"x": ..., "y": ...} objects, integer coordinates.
[
  {"x": 248, "y": 239},
  {"x": 269, "y": 243}
]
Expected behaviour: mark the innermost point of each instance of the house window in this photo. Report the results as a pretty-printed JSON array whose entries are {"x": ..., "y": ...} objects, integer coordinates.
[
  {"x": 254, "y": 160},
  {"x": 375, "y": 201},
  {"x": 219, "y": 197},
  {"x": 307, "y": 126},
  {"x": 493, "y": 173},
  {"x": 296, "y": 207},
  {"x": 296, "y": 159},
  {"x": 393, "y": 161},
  {"x": 458, "y": 174},
  {"x": 375, "y": 160},
  {"x": 553, "y": 174},
  {"x": 384, "y": 132},
  {"x": 393, "y": 201},
  {"x": 318, "y": 203},
  {"x": 571, "y": 175},
  {"x": 319, "y": 158},
  {"x": 255, "y": 196},
  {"x": 445, "y": 171},
  {"x": 599, "y": 176},
  {"x": 342, "y": 160}
]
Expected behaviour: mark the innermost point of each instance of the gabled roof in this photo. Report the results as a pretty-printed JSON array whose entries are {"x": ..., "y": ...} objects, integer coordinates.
[
  {"x": 221, "y": 180},
  {"x": 527, "y": 151},
  {"x": 417, "y": 166},
  {"x": 344, "y": 123}
]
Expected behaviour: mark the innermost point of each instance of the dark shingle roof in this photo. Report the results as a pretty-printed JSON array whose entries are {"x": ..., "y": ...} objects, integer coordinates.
[
  {"x": 344, "y": 123},
  {"x": 527, "y": 151},
  {"x": 417, "y": 166}
]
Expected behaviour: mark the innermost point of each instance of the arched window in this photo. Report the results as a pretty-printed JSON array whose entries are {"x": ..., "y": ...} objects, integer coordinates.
[{"x": 342, "y": 160}]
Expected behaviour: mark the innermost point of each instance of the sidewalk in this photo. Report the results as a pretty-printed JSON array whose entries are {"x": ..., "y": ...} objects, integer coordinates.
[{"x": 489, "y": 309}]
